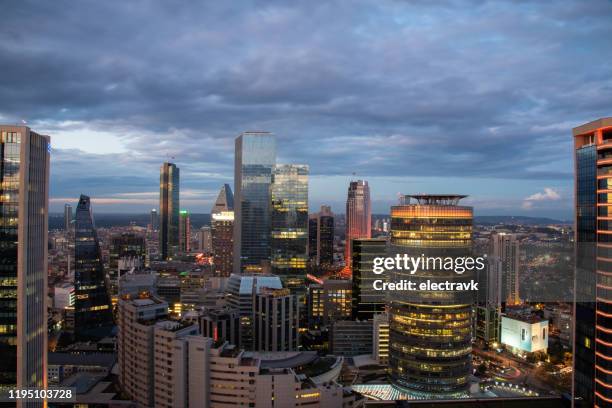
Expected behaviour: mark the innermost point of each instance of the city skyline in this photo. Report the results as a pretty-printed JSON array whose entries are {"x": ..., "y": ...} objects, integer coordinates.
[{"x": 412, "y": 111}]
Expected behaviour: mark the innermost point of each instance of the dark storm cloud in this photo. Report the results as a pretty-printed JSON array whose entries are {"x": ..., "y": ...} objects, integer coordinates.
[{"x": 402, "y": 88}]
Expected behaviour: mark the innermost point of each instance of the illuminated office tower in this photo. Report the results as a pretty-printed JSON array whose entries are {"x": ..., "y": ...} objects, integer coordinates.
[
  {"x": 358, "y": 215},
  {"x": 289, "y": 221},
  {"x": 592, "y": 385},
  {"x": 92, "y": 308},
  {"x": 313, "y": 222},
  {"x": 506, "y": 248},
  {"x": 255, "y": 157},
  {"x": 222, "y": 240},
  {"x": 154, "y": 220},
  {"x": 430, "y": 331},
  {"x": 366, "y": 300},
  {"x": 24, "y": 197},
  {"x": 222, "y": 232},
  {"x": 67, "y": 217},
  {"x": 184, "y": 232},
  {"x": 169, "y": 211}
]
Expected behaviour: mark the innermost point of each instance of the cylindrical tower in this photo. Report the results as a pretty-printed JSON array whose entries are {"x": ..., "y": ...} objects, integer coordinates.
[{"x": 430, "y": 331}]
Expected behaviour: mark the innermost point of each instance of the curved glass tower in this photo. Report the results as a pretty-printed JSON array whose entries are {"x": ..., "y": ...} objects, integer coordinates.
[{"x": 430, "y": 331}]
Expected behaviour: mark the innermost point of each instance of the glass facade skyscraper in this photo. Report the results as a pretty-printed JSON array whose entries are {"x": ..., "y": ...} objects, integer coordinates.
[
  {"x": 592, "y": 385},
  {"x": 24, "y": 197},
  {"x": 255, "y": 158},
  {"x": 184, "y": 232},
  {"x": 358, "y": 215},
  {"x": 169, "y": 210},
  {"x": 430, "y": 331},
  {"x": 92, "y": 307},
  {"x": 289, "y": 221}
]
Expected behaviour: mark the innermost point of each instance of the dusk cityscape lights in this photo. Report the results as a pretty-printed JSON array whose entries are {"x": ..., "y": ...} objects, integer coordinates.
[{"x": 333, "y": 205}]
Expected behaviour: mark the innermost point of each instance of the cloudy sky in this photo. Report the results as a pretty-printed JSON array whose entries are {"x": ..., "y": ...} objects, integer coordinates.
[{"x": 470, "y": 97}]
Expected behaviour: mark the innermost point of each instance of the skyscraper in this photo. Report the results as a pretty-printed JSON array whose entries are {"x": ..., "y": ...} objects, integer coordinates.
[
  {"x": 366, "y": 300},
  {"x": 506, "y": 248},
  {"x": 358, "y": 215},
  {"x": 169, "y": 210},
  {"x": 289, "y": 218},
  {"x": 275, "y": 320},
  {"x": 92, "y": 309},
  {"x": 184, "y": 232},
  {"x": 204, "y": 236},
  {"x": 222, "y": 232},
  {"x": 592, "y": 385},
  {"x": 154, "y": 220},
  {"x": 321, "y": 237},
  {"x": 24, "y": 198},
  {"x": 67, "y": 217},
  {"x": 255, "y": 157},
  {"x": 222, "y": 236},
  {"x": 430, "y": 331}
]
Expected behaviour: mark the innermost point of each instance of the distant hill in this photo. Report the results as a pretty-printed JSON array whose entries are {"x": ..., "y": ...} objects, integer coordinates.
[
  {"x": 56, "y": 221},
  {"x": 517, "y": 220}
]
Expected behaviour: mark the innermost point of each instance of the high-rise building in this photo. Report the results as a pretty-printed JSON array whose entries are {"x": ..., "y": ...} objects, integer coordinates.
[
  {"x": 169, "y": 211},
  {"x": 358, "y": 215},
  {"x": 592, "y": 385},
  {"x": 240, "y": 293},
  {"x": 67, "y": 217},
  {"x": 255, "y": 159},
  {"x": 222, "y": 232},
  {"x": 321, "y": 237},
  {"x": 276, "y": 320},
  {"x": 506, "y": 248},
  {"x": 24, "y": 198},
  {"x": 489, "y": 302},
  {"x": 289, "y": 221},
  {"x": 154, "y": 220},
  {"x": 205, "y": 239},
  {"x": 351, "y": 337},
  {"x": 222, "y": 237},
  {"x": 92, "y": 309},
  {"x": 430, "y": 331},
  {"x": 366, "y": 300},
  {"x": 313, "y": 225},
  {"x": 225, "y": 200},
  {"x": 184, "y": 232},
  {"x": 127, "y": 252}
]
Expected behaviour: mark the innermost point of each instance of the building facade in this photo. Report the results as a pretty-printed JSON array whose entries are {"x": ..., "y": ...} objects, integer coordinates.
[
  {"x": 184, "y": 232},
  {"x": 276, "y": 320},
  {"x": 67, "y": 217},
  {"x": 24, "y": 177},
  {"x": 289, "y": 223},
  {"x": 93, "y": 317},
  {"x": 592, "y": 385},
  {"x": 222, "y": 237},
  {"x": 366, "y": 300},
  {"x": 255, "y": 158},
  {"x": 506, "y": 248},
  {"x": 358, "y": 215},
  {"x": 431, "y": 331},
  {"x": 169, "y": 211}
]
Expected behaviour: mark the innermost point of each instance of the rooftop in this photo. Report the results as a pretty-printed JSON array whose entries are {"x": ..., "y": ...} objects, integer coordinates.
[{"x": 436, "y": 199}]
